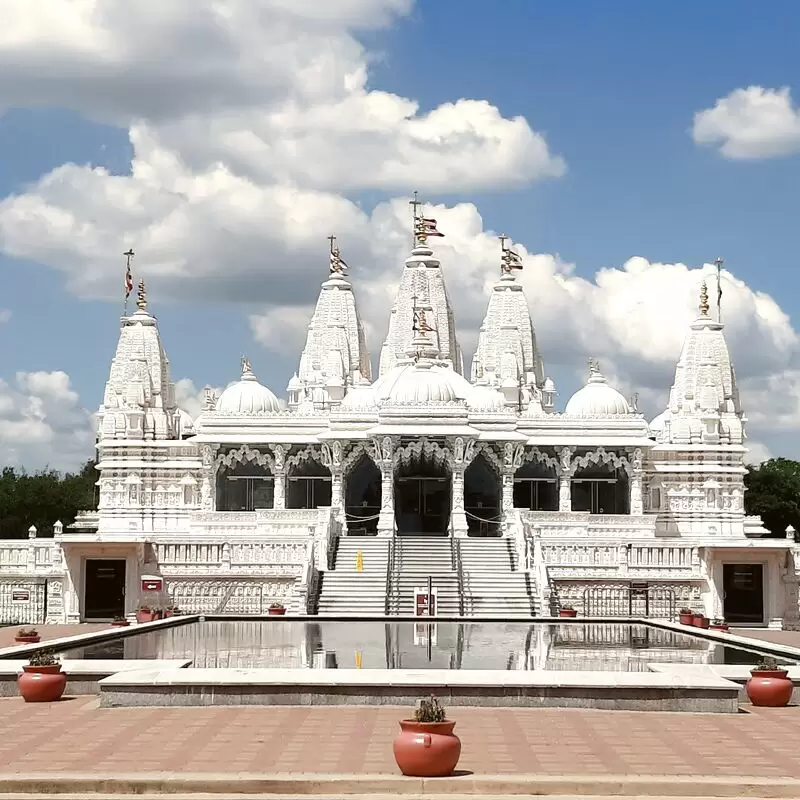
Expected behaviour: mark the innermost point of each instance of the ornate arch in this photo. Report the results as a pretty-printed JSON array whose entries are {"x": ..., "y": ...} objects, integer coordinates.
[
  {"x": 414, "y": 450},
  {"x": 490, "y": 454},
  {"x": 244, "y": 454},
  {"x": 598, "y": 457},
  {"x": 308, "y": 453},
  {"x": 535, "y": 454},
  {"x": 355, "y": 453}
]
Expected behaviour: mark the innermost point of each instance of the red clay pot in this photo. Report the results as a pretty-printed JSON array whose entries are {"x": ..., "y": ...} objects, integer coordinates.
[
  {"x": 121, "y": 623},
  {"x": 567, "y": 612},
  {"x": 145, "y": 616},
  {"x": 686, "y": 619},
  {"x": 721, "y": 627},
  {"x": 276, "y": 612},
  {"x": 42, "y": 684},
  {"x": 700, "y": 621},
  {"x": 426, "y": 749},
  {"x": 27, "y": 639},
  {"x": 769, "y": 687}
]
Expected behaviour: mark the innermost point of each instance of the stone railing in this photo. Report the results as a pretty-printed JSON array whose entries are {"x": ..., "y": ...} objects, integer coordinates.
[
  {"x": 578, "y": 559},
  {"x": 572, "y": 524},
  {"x": 28, "y": 557},
  {"x": 267, "y": 522}
]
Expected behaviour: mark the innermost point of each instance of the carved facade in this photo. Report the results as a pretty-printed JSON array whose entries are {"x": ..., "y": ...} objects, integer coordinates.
[{"x": 241, "y": 507}]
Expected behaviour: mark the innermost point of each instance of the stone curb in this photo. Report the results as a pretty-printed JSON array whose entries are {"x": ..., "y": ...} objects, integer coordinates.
[{"x": 307, "y": 784}]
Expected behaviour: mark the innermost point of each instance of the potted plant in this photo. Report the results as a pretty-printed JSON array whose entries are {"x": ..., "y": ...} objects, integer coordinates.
[
  {"x": 276, "y": 610},
  {"x": 567, "y": 611},
  {"x": 769, "y": 685},
  {"x": 169, "y": 611},
  {"x": 719, "y": 625},
  {"x": 119, "y": 622},
  {"x": 42, "y": 679},
  {"x": 145, "y": 614},
  {"x": 426, "y": 746},
  {"x": 27, "y": 636},
  {"x": 700, "y": 620},
  {"x": 686, "y": 616}
]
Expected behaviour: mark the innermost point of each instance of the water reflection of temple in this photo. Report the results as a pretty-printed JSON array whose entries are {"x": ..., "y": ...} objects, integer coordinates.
[{"x": 417, "y": 645}]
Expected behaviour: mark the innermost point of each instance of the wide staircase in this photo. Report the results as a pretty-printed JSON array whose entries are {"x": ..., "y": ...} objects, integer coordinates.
[
  {"x": 347, "y": 591},
  {"x": 492, "y": 584},
  {"x": 417, "y": 558}
]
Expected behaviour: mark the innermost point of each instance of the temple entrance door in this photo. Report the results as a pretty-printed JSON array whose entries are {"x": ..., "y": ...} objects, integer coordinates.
[
  {"x": 362, "y": 498},
  {"x": 104, "y": 588},
  {"x": 743, "y": 598},
  {"x": 422, "y": 498}
]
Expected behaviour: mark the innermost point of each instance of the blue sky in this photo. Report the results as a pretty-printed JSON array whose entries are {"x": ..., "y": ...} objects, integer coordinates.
[{"x": 613, "y": 87}]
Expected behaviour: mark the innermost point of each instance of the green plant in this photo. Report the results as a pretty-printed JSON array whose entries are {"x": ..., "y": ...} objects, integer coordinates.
[
  {"x": 767, "y": 664},
  {"x": 567, "y": 608},
  {"x": 718, "y": 621},
  {"x": 27, "y": 632},
  {"x": 43, "y": 658},
  {"x": 686, "y": 611},
  {"x": 119, "y": 618},
  {"x": 429, "y": 711},
  {"x": 277, "y": 605}
]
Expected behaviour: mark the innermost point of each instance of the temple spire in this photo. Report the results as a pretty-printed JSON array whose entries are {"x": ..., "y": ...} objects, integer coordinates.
[{"x": 338, "y": 265}]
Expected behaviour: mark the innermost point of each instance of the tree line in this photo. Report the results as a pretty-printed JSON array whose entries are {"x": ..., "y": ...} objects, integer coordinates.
[{"x": 41, "y": 498}]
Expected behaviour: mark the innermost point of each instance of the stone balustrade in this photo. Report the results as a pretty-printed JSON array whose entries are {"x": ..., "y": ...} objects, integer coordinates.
[
  {"x": 27, "y": 557},
  {"x": 574, "y": 524}
]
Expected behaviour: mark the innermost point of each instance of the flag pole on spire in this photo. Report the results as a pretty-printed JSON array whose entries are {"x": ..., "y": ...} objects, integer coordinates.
[
  {"x": 128, "y": 278},
  {"x": 424, "y": 227},
  {"x": 718, "y": 264},
  {"x": 510, "y": 259}
]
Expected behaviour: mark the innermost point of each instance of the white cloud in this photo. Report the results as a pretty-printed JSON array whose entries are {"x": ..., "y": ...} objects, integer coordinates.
[
  {"x": 758, "y": 452},
  {"x": 5, "y": 315},
  {"x": 751, "y": 123},
  {"x": 254, "y": 126},
  {"x": 42, "y": 423}
]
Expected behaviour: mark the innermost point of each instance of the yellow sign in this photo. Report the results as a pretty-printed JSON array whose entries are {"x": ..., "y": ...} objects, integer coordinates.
[
  {"x": 358, "y": 659},
  {"x": 359, "y": 562}
]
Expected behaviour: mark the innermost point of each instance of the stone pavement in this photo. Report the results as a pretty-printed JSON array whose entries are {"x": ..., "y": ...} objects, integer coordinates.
[
  {"x": 75, "y": 735},
  {"x": 787, "y": 638}
]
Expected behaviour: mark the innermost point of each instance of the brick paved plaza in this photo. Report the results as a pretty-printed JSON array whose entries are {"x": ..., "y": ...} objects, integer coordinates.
[{"x": 77, "y": 736}]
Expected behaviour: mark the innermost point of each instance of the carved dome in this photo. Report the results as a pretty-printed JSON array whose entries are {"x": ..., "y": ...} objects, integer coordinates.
[
  {"x": 247, "y": 396},
  {"x": 360, "y": 397},
  {"x": 421, "y": 383},
  {"x": 597, "y": 399},
  {"x": 484, "y": 398}
]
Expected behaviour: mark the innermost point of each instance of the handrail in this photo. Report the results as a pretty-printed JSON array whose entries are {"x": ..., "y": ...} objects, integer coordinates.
[
  {"x": 458, "y": 566},
  {"x": 389, "y": 576}
]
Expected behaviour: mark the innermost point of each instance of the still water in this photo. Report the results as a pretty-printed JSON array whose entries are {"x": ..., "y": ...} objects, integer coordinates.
[{"x": 617, "y": 647}]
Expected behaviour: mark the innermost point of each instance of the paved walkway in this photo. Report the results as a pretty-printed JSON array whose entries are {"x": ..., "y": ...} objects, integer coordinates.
[
  {"x": 77, "y": 736},
  {"x": 48, "y": 632},
  {"x": 788, "y": 638}
]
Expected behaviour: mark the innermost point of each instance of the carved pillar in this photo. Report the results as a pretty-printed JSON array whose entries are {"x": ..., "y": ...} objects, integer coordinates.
[
  {"x": 208, "y": 481},
  {"x": 637, "y": 499},
  {"x": 512, "y": 461},
  {"x": 279, "y": 476},
  {"x": 384, "y": 458},
  {"x": 565, "y": 479},
  {"x": 332, "y": 459},
  {"x": 463, "y": 453}
]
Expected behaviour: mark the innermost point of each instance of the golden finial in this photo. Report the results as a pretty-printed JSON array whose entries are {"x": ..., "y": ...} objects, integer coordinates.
[
  {"x": 594, "y": 366},
  {"x": 509, "y": 259},
  {"x": 338, "y": 264},
  {"x": 246, "y": 365},
  {"x": 704, "y": 299},
  {"x": 141, "y": 297}
]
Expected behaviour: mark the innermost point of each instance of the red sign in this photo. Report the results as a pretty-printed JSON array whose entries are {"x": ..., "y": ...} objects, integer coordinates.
[
  {"x": 21, "y": 596},
  {"x": 421, "y": 605},
  {"x": 152, "y": 585}
]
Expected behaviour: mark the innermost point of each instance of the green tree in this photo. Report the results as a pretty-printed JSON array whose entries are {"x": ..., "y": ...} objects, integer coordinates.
[
  {"x": 773, "y": 493},
  {"x": 42, "y": 498}
]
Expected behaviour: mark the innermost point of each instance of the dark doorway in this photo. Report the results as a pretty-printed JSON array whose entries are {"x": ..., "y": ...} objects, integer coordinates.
[
  {"x": 104, "y": 590},
  {"x": 422, "y": 498},
  {"x": 482, "y": 498},
  {"x": 536, "y": 487},
  {"x": 362, "y": 498},
  {"x": 601, "y": 489},
  {"x": 743, "y": 593},
  {"x": 309, "y": 486}
]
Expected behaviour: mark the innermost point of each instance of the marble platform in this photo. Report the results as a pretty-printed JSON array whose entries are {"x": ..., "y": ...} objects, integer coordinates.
[
  {"x": 643, "y": 691},
  {"x": 83, "y": 675}
]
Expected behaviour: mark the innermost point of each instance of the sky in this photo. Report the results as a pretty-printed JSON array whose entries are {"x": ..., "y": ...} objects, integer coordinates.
[{"x": 623, "y": 146}]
